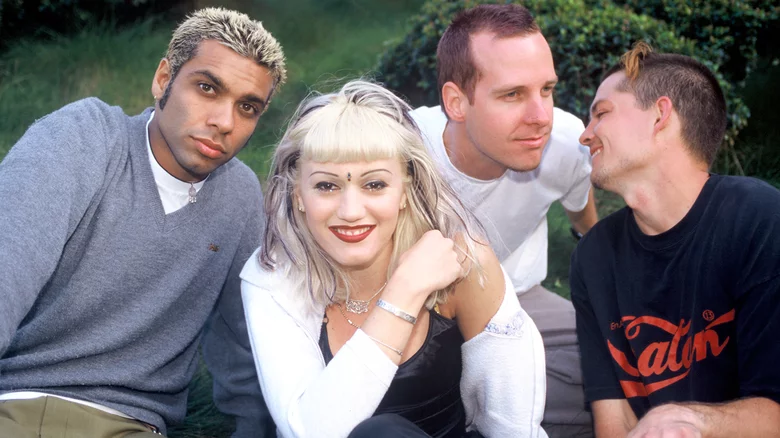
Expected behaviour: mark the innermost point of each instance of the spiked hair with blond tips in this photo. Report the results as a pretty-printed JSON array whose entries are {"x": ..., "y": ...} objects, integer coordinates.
[
  {"x": 361, "y": 122},
  {"x": 235, "y": 30},
  {"x": 693, "y": 89}
]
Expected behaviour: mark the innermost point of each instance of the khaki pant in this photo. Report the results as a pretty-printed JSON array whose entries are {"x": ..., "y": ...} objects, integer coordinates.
[
  {"x": 564, "y": 413},
  {"x": 51, "y": 417}
]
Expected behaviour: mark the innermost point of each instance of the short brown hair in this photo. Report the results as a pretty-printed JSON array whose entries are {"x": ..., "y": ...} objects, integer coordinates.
[
  {"x": 693, "y": 89},
  {"x": 454, "y": 60}
]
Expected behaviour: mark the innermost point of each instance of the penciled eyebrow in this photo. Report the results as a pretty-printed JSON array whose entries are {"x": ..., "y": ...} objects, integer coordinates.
[
  {"x": 324, "y": 173},
  {"x": 220, "y": 85},
  {"x": 337, "y": 176},
  {"x": 376, "y": 170}
]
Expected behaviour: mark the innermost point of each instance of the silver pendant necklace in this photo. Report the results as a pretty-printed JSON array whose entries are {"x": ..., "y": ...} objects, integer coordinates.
[
  {"x": 361, "y": 306},
  {"x": 193, "y": 194}
]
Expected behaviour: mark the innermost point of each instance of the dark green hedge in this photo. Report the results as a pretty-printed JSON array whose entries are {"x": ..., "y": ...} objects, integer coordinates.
[
  {"x": 585, "y": 41},
  {"x": 42, "y": 18},
  {"x": 726, "y": 28}
]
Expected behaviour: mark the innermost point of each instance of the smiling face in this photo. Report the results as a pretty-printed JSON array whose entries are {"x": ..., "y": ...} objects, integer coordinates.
[
  {"x": 619, "y": 134},
  {"x": 352, "y": 208},
  {"x": 509, "y": 118},
  {"x": 211, "y": 110}
]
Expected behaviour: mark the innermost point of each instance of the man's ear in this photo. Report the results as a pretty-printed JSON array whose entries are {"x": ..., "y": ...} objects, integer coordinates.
[
  {"x": 663, "y": 114},
  {"x": 455, "y": 102},
  {"x": 161, "y": 79}
]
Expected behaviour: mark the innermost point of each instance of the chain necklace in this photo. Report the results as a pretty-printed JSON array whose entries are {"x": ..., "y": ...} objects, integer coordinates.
[
  {"x": 400, "y": 353},
  {"x": 361, "y": 306},
  {"x": 341, "y": 310}
]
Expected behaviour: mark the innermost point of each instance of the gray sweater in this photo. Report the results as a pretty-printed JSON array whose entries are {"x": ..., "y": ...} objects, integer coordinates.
[{"x": 103, "y": 297}]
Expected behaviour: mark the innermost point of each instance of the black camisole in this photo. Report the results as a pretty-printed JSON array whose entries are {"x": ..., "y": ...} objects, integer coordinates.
[{"x": 426, "y": 388}]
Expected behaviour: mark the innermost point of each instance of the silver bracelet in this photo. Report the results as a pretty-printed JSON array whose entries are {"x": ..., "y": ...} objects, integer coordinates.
[
  {"x": 396, "y": 311},
  {"x": 397, "y": 351}
]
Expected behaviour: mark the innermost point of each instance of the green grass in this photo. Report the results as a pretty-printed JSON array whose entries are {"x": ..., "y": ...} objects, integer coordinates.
[
  {"x": 203, "y": 419},
  {"x": 37, "y": 78}
]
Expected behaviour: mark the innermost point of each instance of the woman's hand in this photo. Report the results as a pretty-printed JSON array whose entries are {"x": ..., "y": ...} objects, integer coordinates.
[
  {"x": 433, "y": 263},
  {"x": 430, "y": 264}
]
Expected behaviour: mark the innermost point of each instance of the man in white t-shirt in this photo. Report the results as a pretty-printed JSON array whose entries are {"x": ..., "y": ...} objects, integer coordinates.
[{"x": 498, "y": 146}]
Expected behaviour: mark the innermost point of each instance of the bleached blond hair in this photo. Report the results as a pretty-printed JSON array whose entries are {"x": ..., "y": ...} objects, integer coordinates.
[
  {"x": 233, "y": 29},
  {"x": 361, "y": 122}
]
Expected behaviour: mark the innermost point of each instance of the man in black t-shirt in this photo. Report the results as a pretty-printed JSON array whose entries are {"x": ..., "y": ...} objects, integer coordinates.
[{"x": 678, "y": 294}]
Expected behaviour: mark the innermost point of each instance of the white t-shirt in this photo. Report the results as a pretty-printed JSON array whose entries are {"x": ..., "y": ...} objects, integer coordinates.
[
  {"x": 174, "y": 193},
  {"x": 513, "y": 208}
]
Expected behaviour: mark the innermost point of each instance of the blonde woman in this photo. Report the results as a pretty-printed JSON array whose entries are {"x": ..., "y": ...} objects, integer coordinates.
[{"x": 373, "y": 307}]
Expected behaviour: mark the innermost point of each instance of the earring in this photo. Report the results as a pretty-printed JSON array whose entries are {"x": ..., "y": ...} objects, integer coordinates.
[
  {"x": 403, "y": 205},
  {"x": 301, "y": 209}
]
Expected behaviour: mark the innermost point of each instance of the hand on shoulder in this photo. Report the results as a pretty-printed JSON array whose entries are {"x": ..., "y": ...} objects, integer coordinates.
[{"x": 429, "y": 265}]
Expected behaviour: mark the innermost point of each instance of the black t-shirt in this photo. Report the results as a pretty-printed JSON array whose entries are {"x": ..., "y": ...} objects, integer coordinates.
[{"x": 692, "y": 314}]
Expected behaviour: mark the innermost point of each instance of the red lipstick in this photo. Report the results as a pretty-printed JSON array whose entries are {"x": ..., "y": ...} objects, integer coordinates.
[{"x": 352, "y": 234}]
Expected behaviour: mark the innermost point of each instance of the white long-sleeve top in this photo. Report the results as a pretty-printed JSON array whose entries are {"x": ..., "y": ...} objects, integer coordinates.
[{"x": 502, "y": 383}]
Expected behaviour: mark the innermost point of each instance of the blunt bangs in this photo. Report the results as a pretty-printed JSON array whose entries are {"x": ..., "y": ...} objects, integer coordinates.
[
  {"x": 361, "y": 122},
  {"x": 346, "y": 132}
]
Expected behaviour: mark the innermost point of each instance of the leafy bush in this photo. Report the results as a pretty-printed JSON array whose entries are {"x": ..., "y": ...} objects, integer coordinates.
[
  {"x": 725, "y": 28},
  {"x": 585, "y": 42}
]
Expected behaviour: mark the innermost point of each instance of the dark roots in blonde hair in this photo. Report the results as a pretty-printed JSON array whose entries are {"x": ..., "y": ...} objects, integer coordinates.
[{"x": 235, "y": 30}]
